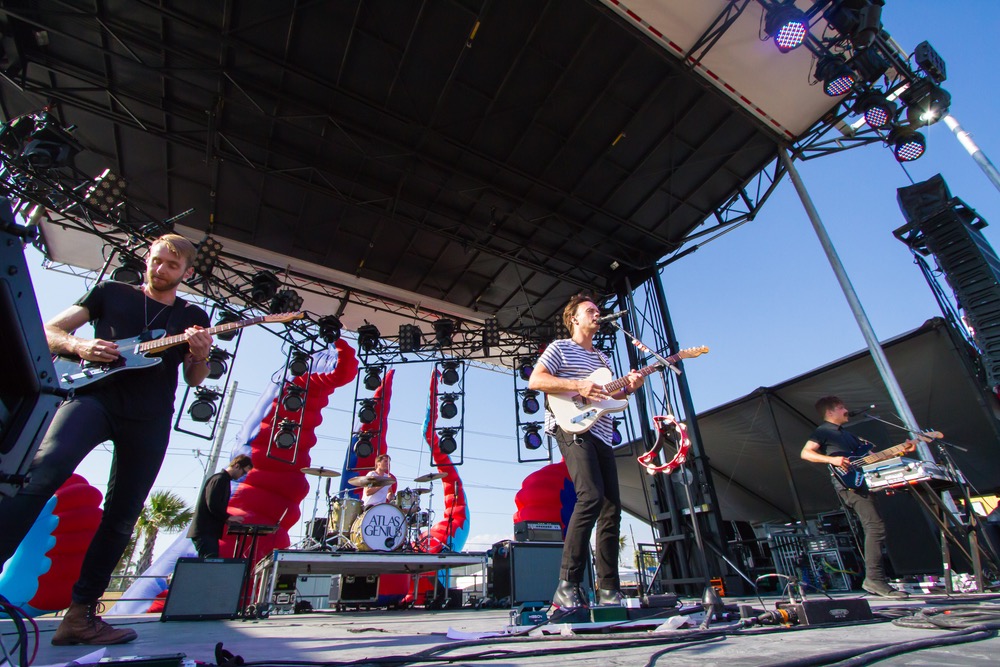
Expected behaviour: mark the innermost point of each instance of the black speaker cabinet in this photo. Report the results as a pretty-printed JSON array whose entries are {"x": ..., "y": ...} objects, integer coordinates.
[
  {"x": 204, "y": 588},
  {"x": 529, "y": 571}
]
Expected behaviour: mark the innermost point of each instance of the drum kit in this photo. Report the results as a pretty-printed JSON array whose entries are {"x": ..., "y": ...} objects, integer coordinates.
[{"x": 393, "y": 526}]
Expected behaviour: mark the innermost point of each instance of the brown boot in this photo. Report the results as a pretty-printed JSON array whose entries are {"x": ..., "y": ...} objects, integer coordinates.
[{"x": 82, "y": 625}]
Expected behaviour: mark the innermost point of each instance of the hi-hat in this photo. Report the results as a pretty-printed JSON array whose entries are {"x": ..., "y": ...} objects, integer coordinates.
[
  {"x": 420, "y": 491},
  {"x": 430, "y": 477},
  {"x": 372, "y": 482},
  {"x": 321, "y": 472}
]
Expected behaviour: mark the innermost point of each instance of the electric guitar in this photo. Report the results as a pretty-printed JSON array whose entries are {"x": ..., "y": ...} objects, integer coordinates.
[
  {"x": 576, "y": 414},
  {"x": 74, "y": 372},
  {"x": 854, "y": 478}
]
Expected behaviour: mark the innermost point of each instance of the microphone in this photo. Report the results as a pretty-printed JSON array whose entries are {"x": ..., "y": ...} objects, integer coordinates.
[
  {"x": 855, "y": 413},
  {"x": 328, "y": 480},
  {"x": 612, "y": 317}
]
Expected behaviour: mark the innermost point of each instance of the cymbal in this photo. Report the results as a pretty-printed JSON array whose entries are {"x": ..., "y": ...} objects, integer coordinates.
[
  {"x": 430, "y": 477},
  {"x": 321, "y": 472},
  {"x": 420, "y": 491},
  {"x": 372, "y": 482}
]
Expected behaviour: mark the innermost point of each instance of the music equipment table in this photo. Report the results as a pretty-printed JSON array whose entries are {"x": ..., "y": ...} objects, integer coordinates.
[
  {"x": 247, "y": 532},
  {"x": 895, "y": 474}
]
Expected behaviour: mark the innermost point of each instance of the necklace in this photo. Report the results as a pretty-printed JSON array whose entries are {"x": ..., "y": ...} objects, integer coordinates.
[{"x": 145, "y": 312}]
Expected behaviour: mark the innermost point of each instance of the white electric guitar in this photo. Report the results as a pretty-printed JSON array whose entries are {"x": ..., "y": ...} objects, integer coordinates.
[{"x": 576, "y": 414}]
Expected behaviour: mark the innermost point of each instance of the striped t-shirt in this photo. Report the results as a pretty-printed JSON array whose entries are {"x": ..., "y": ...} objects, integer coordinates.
[{"x": 567, "y": 360}]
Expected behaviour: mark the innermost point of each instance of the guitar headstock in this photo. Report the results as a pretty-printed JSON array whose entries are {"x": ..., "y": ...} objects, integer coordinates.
[
  {"x": 283, "y": 317},
  {"x": 692, "y": 352}
]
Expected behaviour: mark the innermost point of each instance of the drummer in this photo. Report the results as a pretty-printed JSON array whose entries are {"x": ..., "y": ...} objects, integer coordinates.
[{"x": 382, "y": 494}]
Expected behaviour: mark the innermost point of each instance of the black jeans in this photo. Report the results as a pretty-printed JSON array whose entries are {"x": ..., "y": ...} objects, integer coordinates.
[
  {"x": 207, "y": 546},
  {"x": 79, "y": 425},
  {"x": 871, "y": 522},
  {"x": 591, "y": 465}
]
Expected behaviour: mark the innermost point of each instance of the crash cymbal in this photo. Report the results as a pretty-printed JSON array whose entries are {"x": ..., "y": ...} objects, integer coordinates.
[
  {"x": 321, "y": 472},
  {"x": 420, "y": 491},
  {"x": 372, "y": 482},
  {"x": 430, "y": 477}
]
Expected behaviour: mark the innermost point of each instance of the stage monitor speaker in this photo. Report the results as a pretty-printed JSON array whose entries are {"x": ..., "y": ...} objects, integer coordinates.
[
  {"x": 911, "y": 538},
  {"x": 205, "y": 588},
  {"x": 529, "y": 571}
]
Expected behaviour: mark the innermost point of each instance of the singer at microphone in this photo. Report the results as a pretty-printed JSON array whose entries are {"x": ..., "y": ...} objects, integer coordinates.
[
  {"x": 860, "y": 411},
  {"x": 612, "y": 316}
]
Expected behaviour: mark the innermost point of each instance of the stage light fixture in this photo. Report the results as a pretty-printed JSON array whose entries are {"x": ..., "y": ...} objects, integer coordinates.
[
  {"x": 907, "y": 144},
  {"x": 926, "y": 103},
  {"x": 107, "y": 192},
  {"x": 369, "y": 337},
  {"x": 449, "y": 410},
  {"x": 616, "y": 434},
  {"x": 298, "y": 363},
  {"x": 787, "y": 25},
  {"x": 367, "y": 413},
  {"x": 203, "y": 407},
  {"x": 263, "y": 286},
  {"x": 363, "y": 447},
  {"x": 930, "y": 61},
  {"x": 329, "y": 328},
  {"x": 444, "y": 331},
  {"x": 532, "y": 437},
  {"x": 218, "y": 363},
  {"x": 529, "y": 402},
  {"x": 879, "y": 112},
  {"x": 449, "y": 372},
  {"x": 207, "y": 255},
  {"x": 49, "y": 146},
  {"x": 131, "y": 270},
  {"x": 524, "y": 368},
  {"x": 837, "y": 76},
  {"x": 294, "y": 398},
  {"x": 447, "y": 442},
  {"x": 373, "y": 377},
  {"x": 491, "y": 334},
  {"x": 285, "y": 301},
  {"x": 410, "y": 338},
  {"x": 227, "y": 317},
  {"x": 285, "y": 436}
]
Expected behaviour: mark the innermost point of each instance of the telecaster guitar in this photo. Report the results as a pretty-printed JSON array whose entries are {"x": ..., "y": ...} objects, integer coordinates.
[
  {"x": 74, "y": 373},
  {"x": 854, "y": 478},
  {"x": 576, "y": 414}
]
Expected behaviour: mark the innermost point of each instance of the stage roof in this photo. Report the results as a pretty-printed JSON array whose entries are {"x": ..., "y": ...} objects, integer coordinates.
[{"x": 465, "y": 158}]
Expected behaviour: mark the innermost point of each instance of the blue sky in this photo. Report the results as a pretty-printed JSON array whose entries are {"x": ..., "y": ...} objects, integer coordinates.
[{"x": 762, "y": 297}]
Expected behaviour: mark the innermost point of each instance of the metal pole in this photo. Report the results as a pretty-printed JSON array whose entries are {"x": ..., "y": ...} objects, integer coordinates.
[
  {"x": 974, "y": 150},
  {"x": 213, "y": 458},
  {"x": 878, "y": 354}
]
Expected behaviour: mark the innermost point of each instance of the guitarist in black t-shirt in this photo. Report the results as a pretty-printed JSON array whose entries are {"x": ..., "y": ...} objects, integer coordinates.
[
  {"x": 133, "y": 410},
  {"x": 832, "y": 445}
]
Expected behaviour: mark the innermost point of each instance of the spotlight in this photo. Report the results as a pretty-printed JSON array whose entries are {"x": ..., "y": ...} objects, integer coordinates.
[
  {"x": 878, "y": 111},
  {"x": 49, "y": 145},
  {"x": 529, "y": 403},
  {"x": 837, "y": 77},
  {"x": 217, "y": 363},
  {"x": 532, "y": 437},
  {"x": 363, "y": 447},
  {"x": 131, "y": 270},
  {"x": 294, "y": 398},
  {"x": 930, "y": 61},
  {"x": 524, "y": 368},
  {"x": 410, "y": 338},
  {"x": 373, "y": 378},
  {"x": 787, "y": 25},
  {"x": 443, "y": 331},
  {"x": 449, "y": 372},
  {"x": 203, "y": 407},
  {"x": 616, "y": 434},
  {"x": 926, "y": 103},
  {"x": 106, "y": 193},
  {"x": 298, "y": 363},
  {"x": 285, "y": 301},
  {"x": 448, "y": 408},
  {"x": 284, "y": 437},
  {"x": 205, "y": 258},
  {"x": 491, "y": 334},
  {"x": 446, "y": 441},
  {"x": 907, "y": 145},
  {"x": 369, "y": 337},
  {"x": 329, "y": 328},
  {"x": 263, "y": 286},
  {"x": 227, "y": 317},
  {"x": 367, "y": 413}
]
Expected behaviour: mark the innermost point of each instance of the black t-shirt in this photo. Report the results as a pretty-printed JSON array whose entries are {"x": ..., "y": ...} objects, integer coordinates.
[
  {"x": 211, "y": 513},
  {"x": 120, "y": 311},
  {"x": 835, "y": 441}
]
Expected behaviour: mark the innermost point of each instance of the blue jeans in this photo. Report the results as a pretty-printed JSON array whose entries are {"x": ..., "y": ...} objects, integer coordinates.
[{"x": 79, "y": 425}]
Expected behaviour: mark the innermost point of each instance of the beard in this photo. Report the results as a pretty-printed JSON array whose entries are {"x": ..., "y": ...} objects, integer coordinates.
[{"x": 162, "y": 285}]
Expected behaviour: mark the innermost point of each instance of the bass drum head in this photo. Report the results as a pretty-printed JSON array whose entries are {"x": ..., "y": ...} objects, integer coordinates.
[{"x": 380, "y": 528}]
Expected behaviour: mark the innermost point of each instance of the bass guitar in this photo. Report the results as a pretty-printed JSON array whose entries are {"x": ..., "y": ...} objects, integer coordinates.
[
  {"x": 853, "y": 477},
  {"x": 576, "y": 414},
  {"x": 74, "y": 373}
]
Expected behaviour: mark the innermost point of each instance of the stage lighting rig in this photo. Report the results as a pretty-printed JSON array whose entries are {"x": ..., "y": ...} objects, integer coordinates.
[
  {"x": 858, "y": 20},
  {"x": 907, "y": 144},
  {"x": 879, "y": 112},
  {"x": 787, "y": 25},
  {"x": 369, "y": 337},
  {"x": 926, "y": 103},
  {"x": 131, "y": 270},
  {"x": 524, "y": 368},
  {"x": 207, "y": 255},
  {"x": 107, "y": 192},
  {"x": 449, "y": 372},
  {"x": 203, "y": 407},
  {"x": 329, "y": 328},
  {"x": 49, "y": 146},
  {"x": 491, "y": 334},
  {"x": 285, "y": 301},
  {"x": 616, "y": 434},
  {"x": 532, "y": 436},
  {"x": 263, "y": 286},
  {"x": 373, "y": 377},
  {"x": 227, "y": 317},
  {"x": 294, "y": 398},
  {"x": 367, "y": 413},
  {"x": 285, "y": 437},
  {"x": 218, "y": 363},
  {"x": 529, "y": 402},
  {"x": 930, "y": 62},
  {"x": 837, "y": 76},
  {"x": 298, "y": 363},
  {"x": 449, "y": 408},
  {"x": 410, "y": 338},
  {"x": 444, "y": 331},
  {"x": 363, "y": 446},
  {"x": 447, "y": 442}
]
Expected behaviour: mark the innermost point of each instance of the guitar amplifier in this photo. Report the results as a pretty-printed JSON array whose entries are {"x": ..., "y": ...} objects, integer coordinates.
[
  {"x": 905, "y": 472},
  {"x": 537, "y": 531}
]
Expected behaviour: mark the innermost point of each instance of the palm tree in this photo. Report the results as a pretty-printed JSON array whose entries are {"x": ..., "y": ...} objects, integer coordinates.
[{"x": 165, "y": 511}]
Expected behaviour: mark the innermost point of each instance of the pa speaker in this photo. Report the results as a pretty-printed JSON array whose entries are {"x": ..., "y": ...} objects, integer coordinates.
[{"x": 205, "y": 588}]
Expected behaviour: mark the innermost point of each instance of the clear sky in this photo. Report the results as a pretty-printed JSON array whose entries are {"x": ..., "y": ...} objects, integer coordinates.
[{"x": 762, "y": 297}]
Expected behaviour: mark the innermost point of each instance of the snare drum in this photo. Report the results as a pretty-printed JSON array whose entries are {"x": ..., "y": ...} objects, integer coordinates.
[
  {"x": 380, "y": 528},
  {"x": 407, "y": 501},
  {"x": 343, "y": 513},
  {"x": 420, "y": 519}
]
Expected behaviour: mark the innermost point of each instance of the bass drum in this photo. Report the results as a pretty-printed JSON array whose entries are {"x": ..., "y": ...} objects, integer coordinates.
[
  {"x": 380, "y": 528},
  {"x": 343, "y": 513}
]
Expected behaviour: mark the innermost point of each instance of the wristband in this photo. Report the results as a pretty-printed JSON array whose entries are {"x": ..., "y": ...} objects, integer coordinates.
[{"x": 194, "y": 360}]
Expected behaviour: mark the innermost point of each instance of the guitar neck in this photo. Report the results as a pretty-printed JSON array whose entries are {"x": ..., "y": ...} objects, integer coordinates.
[
  {"x": 890, "y": 453},
  {"x": 167, "y": 342},
  {"x": 620, "y": 383}
]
